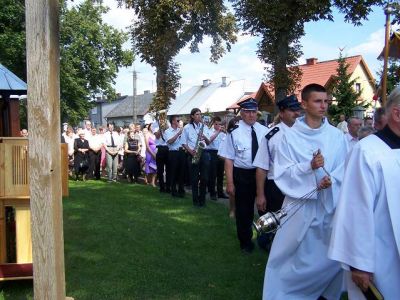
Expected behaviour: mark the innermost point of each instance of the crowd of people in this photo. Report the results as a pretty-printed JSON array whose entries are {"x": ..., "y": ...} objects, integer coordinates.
[
  {"x": 160, "y": 155},
  {"x": 336, "y": 185}
]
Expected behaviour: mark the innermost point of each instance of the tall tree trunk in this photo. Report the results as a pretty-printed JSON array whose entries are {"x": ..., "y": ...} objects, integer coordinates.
[{"x": 281, "y": 80}]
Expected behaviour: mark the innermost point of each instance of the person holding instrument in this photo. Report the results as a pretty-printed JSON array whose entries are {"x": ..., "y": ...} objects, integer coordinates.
[{"x": 193, "y": 138}]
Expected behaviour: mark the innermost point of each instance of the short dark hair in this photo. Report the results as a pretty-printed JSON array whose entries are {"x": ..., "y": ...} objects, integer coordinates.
[
  {"x": 308, "y": 89},
  {"x": 216, "y": 119},
  {"x": 171, "y": 118}
]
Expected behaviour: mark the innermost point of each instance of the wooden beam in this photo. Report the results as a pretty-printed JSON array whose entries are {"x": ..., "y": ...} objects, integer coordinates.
[
  {"x": 42, "y": 43},
  {"x": 386, "y": 56}
]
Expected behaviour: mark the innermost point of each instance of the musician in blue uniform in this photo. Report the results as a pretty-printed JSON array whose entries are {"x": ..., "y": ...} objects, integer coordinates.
[
  {"x": 239, "y": 150},
  {"x": 194, "y": 137}
]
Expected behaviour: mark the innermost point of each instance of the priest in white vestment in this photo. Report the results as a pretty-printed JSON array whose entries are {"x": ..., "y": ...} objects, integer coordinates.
[
  {"x": 366, "y": 226},
  {"x": 311, "y": 155}
]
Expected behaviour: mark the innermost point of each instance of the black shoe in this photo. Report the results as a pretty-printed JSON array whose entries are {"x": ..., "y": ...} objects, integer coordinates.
[
  {"x": 162, "y": 190},
  {"x": 168, "y": 191},
  {"x": 248, "y": 249},
  {"x": 214, "y": 197},
  {"x": 223, "y": 196}
]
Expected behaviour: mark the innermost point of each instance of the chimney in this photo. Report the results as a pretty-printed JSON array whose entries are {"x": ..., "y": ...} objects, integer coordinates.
[
  {"x": 312, "y": 61},
  {"x": 146, "y": 92},
  {"x": 223, "y": 81},
  {"x": 206, "y": 82},
  {"x": 118, "y": 95}
]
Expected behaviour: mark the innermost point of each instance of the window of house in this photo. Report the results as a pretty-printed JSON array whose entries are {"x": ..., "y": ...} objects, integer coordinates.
[{"x": 358, "y": 87}]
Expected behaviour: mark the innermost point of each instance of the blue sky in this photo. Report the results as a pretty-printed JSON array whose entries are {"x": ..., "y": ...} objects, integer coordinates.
[{"x": 322, "y": 40}]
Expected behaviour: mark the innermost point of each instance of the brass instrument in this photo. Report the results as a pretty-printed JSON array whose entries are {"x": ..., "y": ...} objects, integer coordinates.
[
  {"x": 199, "y": 146},
  {"x": 161, "y": 118}
]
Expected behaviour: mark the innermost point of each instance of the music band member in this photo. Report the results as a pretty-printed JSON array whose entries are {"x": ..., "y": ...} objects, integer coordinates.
[
  {"x": 162, "y": 160},
  {"x": 216, "y": 163},
  {"x": 176, "y": 156},
  {"x": 194, "y": 138}
]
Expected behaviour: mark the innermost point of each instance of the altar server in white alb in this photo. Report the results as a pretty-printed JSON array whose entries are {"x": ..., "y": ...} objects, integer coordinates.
[
  {"x": 310, "y": 156},
  {"x": 366, "y": 227}
]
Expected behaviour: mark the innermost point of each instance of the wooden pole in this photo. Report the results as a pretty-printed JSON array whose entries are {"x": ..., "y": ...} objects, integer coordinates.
[
  {"x": 386, "y": 55},
  {"x": 42, "y": 44}
]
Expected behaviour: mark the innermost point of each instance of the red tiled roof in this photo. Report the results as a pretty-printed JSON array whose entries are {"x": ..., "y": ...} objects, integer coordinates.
[{"x": 321, "y": 72}]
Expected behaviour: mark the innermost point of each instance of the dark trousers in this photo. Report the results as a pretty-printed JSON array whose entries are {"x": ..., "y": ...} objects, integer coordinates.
[
  {"x": 94, "y": 164},
  {"x": 199, "y": 175},
  {"x": 216, "y": 174},
  {"x": 275, "y": 199},
  {"x": 245, "y": 194},
  {"x": 132, "y": 166},
  {"x": 273, "y": 195},
  {"x": 163, "y": 167},
  {"x": 177, "y": 171}
]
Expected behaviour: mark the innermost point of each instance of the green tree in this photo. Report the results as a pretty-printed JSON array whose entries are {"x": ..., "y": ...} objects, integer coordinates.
[
  {"x": 12, "y": 36},
  {"x": 90, "y": 54},
  {"x": 163, "y": 27},
  {"x": 393, "y": 75},
  {"x": 342, "y": 89},
  {"x": 280, "y": 24}
]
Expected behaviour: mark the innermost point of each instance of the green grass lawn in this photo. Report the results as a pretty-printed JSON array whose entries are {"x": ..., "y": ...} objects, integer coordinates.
[{"x": 131, "y": 242}]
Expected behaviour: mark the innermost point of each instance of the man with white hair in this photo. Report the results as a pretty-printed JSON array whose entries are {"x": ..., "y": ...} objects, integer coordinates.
[
  {"x": 366, "y": 226},
  {"x": 353, "y": 126}
]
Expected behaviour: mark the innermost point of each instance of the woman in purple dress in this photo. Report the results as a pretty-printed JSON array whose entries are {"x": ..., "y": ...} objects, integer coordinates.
[{"x": 150, "y": 165}]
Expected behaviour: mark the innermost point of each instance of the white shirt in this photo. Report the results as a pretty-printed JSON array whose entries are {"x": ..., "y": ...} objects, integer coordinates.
[
  {"x": 351, "y": 140},
  {"x": 107, "y": 139},
  {"x": 190, "y": 134},
  {"x": 215, "y": 144},
  {"x": 343, "y": 126},
  {"x": 70, "y": 143},
  {"x": 266, "y": 154},
  {"x": 237, "y": 144},
  {"x": 95, "y": 141},
  {"x": 169, "y": 134}
]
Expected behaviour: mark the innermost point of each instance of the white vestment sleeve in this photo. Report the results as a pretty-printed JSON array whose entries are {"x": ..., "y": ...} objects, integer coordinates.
[
  {"x": 295, "y": 179},
  {"x": 352, "y": 240}
]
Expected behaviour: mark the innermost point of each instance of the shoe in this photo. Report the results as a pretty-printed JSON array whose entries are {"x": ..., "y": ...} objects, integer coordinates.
[
  {"x": 214, "y": 197},
  {"x": 223, "y": 196},
  {"x": 168, "y": 191},
  {"x": 232, "y": 214},
  {"x": 248, "y": 249}
]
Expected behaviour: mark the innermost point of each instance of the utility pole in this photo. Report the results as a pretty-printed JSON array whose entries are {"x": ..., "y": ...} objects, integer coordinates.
[
  {"x": 134, "y": 116},
  {"x": 388, "y": 10}
]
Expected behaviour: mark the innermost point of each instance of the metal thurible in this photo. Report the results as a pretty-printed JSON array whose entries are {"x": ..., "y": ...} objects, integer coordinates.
[{"x": 269, "y": 222}]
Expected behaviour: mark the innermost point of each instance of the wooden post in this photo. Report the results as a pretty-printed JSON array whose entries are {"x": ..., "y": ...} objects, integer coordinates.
[
  {"x": 386, "y": 56},
  {"x": 42, "y": 44}
]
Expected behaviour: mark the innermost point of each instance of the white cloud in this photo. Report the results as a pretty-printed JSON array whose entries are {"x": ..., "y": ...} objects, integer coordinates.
[{"x": 373, "y": 45}]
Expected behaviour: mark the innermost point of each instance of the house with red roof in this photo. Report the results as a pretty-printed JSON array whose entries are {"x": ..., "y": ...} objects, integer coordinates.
[{"x": 322, "y": 73}]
